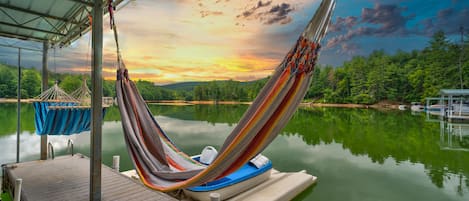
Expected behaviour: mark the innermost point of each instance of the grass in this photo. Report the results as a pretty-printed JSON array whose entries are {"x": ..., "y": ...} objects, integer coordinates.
[{"x": 5, "y": 197}]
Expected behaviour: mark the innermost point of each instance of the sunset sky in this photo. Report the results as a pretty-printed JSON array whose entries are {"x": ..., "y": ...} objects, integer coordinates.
[{"x": 167, "y": 41}]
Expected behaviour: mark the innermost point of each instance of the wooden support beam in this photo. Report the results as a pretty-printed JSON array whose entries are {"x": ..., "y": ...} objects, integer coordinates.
[
  {"x": 96, "y": 101},
  {"x": 45, "y": 85}
]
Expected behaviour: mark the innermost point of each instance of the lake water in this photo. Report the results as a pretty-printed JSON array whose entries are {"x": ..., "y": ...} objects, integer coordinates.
[{"x": 357, "y": 154}]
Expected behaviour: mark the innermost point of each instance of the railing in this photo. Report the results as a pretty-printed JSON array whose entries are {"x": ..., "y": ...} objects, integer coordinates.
[
  {"x": 50, "y": 152},
  {"x": 70, "y": 146},
  {"x": 108, "y": 101}
]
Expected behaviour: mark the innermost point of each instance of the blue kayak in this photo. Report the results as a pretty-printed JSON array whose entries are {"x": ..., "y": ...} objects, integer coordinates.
[{"x": 244, "y": 173}]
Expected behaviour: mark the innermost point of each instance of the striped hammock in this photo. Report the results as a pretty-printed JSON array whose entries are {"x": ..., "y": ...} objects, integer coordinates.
[{"x": 162, "y": 166}]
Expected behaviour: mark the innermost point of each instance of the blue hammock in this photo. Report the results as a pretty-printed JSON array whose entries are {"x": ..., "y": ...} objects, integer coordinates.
[
  {"x": 57, "y": 113},
  {"x": 61, "y": 118},
  {"x": 42, "y": 117}
]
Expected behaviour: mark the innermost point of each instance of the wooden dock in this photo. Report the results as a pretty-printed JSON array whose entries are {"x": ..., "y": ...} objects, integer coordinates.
[
  {"x": 458, "y": 118},
  {"x": 67, "y": 178},
  {"x": 279, "y": 187}
]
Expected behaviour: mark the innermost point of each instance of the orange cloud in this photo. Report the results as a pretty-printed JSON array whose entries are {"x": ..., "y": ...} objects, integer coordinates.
[{"x": 175, "y": 41}]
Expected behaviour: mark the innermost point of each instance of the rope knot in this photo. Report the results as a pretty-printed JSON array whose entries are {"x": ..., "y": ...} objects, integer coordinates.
[
  {"x": 111, "y": 9},
  {"x": 122, "y": 74}
]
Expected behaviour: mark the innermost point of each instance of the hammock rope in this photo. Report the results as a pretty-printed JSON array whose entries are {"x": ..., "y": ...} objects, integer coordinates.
[
  {"x": 55, "y": 94},
  {"x": 58, "y": 113},
  {"x": 162, "y": 166},
  {"x": 82, "y": 94}
]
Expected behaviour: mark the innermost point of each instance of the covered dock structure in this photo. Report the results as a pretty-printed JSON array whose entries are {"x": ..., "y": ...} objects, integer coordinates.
[
  {"x": 57, "y": 23},
  {"x": 456, "y": 103}
]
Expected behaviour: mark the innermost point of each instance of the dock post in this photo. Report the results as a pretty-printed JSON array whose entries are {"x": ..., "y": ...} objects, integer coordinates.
[
  {"x": 116, "y": 162},
  {"x": 45, "y": 85},
  {"x": 18, "y": 184},
  {"x": 96, "y": 101},
  {"x": 215, "y": 197}
]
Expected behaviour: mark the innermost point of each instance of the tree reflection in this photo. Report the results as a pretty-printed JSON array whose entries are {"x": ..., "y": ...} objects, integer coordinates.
[
  {"x": 379, "y": 135},
  {"x": 376, "y": 134},
  {"x": 8, "y": 117}
]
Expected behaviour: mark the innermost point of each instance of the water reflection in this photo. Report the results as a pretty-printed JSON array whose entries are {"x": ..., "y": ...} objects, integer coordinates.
[
  {"x": 454, "y": 136},
  {"x": 357, "y": 154},
  {"x": 381, "y": 137},
  {"x": 8, "y": 118}
]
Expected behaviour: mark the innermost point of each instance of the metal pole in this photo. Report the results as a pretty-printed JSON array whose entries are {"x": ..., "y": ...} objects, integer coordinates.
[
  {"x": 460, "y": 57},
  {"x": 18, "y": 120},
  {"x": 45, "y": 85},
  {"x": 96, "y": 101}
]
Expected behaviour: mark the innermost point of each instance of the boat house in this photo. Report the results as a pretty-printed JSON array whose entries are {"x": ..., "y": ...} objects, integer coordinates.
[{"x": 455, "y": 104}]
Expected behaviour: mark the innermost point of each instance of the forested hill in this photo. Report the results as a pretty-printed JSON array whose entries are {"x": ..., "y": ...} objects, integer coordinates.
[
  {"x": 190, "y": 86},
  {"x": 213, "y": 90},
  {"x": 400, "y": 77},
  {"x": 185, "y": 86}
]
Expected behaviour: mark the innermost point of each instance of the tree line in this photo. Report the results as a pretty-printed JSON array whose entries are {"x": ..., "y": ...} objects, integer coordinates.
[
  {"x": 31, "y": 82},
  {"x": 215, "y": 90},
  {"x": 400, "y": 77}
]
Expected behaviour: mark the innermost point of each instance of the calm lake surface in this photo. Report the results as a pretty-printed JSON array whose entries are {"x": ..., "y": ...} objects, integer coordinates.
[{"x": 357, "y": 154}]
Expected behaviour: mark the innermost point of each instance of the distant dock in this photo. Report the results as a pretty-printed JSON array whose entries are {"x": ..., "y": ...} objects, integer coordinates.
[{"x": 452, "y": 105}]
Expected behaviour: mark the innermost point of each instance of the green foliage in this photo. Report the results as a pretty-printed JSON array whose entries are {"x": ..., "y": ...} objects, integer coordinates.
[
  {"x": 402, "y": 77},
  {"x": 6, "y": 196},
  {"x": 70, "y": 83},
  {"x": 323, "y": 77},
  {"x": 214, "y": 90},
  {"x": 363, "y": 99},
  {"x": 109, "y": 89},
  {"x": 8, "y": 81},
  {"x": 30, "y": 83},
  {"x": 229, "y": 90},
  {"x": 150, "y": 91},
  {"x": 183, "y": 86}
]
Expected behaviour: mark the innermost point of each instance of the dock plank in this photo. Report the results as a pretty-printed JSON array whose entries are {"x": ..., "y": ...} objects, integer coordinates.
[{"x": 67, "y": 178}]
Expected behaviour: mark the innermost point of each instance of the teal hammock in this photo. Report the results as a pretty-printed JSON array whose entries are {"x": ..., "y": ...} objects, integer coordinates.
[{"x": 57, "y": 113}]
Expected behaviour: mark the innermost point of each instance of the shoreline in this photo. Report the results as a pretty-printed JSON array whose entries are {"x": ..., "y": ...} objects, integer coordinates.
[
  {"x": 379, "y": 106},
  {"x": 303, "y": 104}
]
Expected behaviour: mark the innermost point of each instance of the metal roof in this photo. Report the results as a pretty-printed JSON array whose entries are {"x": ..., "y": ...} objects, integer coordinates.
[
  {"x": 58, "y": 21},
  {"x": 455, "y": 92}
]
